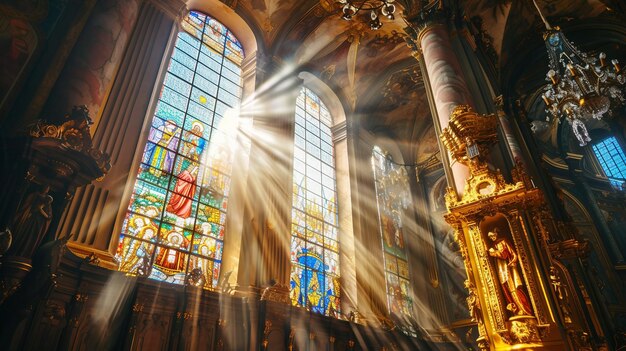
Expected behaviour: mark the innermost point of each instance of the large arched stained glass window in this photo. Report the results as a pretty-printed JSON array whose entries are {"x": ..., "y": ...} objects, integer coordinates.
[
  {"x": 314, "y": 244},
  {"x": 174, "y": 228},
  {"x": 393, "y": 196}
]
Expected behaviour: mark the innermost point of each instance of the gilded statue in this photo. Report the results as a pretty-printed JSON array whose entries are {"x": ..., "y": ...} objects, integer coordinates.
[{"x": 513, "y": 288}]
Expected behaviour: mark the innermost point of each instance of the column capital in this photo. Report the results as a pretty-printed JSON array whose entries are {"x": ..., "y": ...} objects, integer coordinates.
[{"x": 419, "y": 23}]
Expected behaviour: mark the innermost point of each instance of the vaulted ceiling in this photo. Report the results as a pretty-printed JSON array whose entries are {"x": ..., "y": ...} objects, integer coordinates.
[{"x": 373, "y": 72}]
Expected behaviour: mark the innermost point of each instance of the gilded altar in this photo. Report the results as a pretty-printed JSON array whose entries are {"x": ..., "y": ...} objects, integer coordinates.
[{"x": 507, "y": 239}]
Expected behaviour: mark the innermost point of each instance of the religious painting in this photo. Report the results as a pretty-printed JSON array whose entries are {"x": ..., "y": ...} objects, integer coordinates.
[
  {"x": 314, "y": 240},
  {"x": 174, "y": 227},
  {"x": 393, "y": 196}
]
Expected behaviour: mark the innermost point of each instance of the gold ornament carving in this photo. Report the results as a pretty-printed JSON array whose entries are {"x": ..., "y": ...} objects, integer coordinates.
[
  {"x": 74, "y": 134},
  {"x": 469, "y": 137},
  {"x": 276, "y": 293},
  {"x": 79, "y": 297},
  {"x": 138, "y": 307},
  {"x": 570, "y": 248},
  {"x": 184, "y": 315},
  {"x": 267, "y": 329},
  {"x": 491, "y": 261}
]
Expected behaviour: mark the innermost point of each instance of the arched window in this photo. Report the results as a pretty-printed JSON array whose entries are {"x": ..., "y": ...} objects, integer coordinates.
[
  {"x": 174, "y": 228},
  {"x": 393, "y": 196},
  {"x": 314, "y": 229},
  {"x": 611, "y": 157}
]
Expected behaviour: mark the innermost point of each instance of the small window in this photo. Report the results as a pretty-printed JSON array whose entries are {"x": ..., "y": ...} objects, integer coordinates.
[{"x": 612, "y": 159}]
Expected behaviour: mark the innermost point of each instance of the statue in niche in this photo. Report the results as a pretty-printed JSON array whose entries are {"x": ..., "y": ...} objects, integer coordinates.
[
  {"x": 31, "y": 223},
  {"x": 506, "y": 260}
]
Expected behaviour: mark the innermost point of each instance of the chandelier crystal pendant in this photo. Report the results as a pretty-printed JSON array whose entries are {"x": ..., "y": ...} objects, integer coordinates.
[
  {"x": 581, "y": 87},
  {"x": 377, "y": 8}
]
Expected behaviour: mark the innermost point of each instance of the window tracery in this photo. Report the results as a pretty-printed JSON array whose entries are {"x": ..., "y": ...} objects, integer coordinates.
[
  {"x": 173, "y": 230},
  {"x": 314, "y": 234},
  {"x": 612, "y": 159},
  {"x": 393, "y": 196}
]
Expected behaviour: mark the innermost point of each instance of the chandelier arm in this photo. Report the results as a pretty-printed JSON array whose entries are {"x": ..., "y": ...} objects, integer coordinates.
[{"x": 361, "y": 4}]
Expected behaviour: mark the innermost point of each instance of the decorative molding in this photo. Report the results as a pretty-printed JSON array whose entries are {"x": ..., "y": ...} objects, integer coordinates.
[
  {"x": 488, "y": 203},
  {"x": 420, "y": 23},
  {"x": 276, "y": 293},
  {"x": 399, "y": 86},
  {"x": 74, "y": 135},
  {"x": 172, "y": 8},
  {"x": 339, "y": 131}
]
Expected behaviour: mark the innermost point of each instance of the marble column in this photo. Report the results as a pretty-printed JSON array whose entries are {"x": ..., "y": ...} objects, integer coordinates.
[
  {"x": 445, "y": 77},
  {"x": 95, "y": 209}
]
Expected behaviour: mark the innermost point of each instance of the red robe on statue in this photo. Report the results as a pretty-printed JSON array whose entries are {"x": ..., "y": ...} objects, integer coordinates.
[{"x": 180, "y": 202}]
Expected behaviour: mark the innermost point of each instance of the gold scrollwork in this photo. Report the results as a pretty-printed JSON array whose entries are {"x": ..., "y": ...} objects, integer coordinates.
[
  {"x": 487, "y": 196},
  {"x": 138, "y": 307},
  {"x": 75, "y": 134}
]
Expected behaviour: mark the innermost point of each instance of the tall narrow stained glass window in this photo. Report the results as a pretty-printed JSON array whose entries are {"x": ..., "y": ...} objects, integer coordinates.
[
  {"x": 393, "y": 196},
  {"x": 174, "y": 228},
  {"x": 314, "y": 228},
  {"x": 612, "y": 159}
]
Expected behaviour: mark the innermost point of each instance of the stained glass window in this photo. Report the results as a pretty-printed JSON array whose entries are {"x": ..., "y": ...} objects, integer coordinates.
[
  {"x": 612, "y": 159},
  {"x": 314, "y": 227},
  {"x": 393, "y": 196},
  {"x": 174, "y": 227}
]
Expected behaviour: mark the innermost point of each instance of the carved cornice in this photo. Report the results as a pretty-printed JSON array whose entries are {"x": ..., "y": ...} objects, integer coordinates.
[
  {"x": 276, "y": 293},
  {"x": 569, "y": 249},
  {"x": 172, "y": 8},
  {"x": 340, "y": 131},
  {"x": 420, "y": 23},
  {"x": 467, "y": 129},
  {"x": 468, "y": 137}
]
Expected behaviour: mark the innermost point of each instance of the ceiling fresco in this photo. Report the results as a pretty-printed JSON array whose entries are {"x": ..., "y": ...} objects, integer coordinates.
[{"x": 373, "y": 72}]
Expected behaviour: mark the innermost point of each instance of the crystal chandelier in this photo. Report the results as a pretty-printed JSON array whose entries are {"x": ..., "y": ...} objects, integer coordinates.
[
  {"x": 349, "y": 9},
  {"x": 581, "y": 87}
]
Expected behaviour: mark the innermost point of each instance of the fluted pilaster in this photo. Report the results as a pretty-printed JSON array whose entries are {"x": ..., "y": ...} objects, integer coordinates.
[
  {"x": 92, "y": 214},
  {"x": 265, "y": 245}
]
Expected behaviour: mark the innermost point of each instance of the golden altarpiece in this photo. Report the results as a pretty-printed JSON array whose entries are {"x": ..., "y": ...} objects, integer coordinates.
[{"x": 520, "y": 293}]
